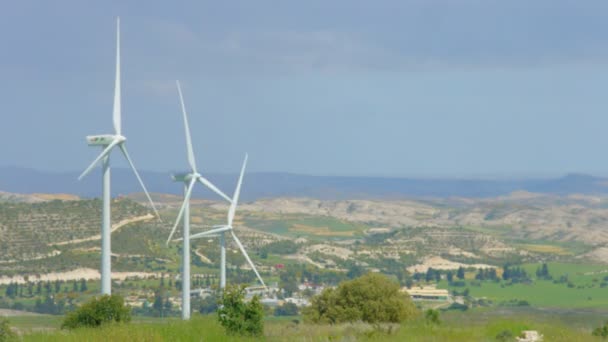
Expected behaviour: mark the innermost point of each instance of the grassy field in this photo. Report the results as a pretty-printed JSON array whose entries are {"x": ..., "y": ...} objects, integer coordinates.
[
  {"x": 585, "y": 292},
  {"x": 476, "y": 326},
  {"x": 308, "y": 226}
]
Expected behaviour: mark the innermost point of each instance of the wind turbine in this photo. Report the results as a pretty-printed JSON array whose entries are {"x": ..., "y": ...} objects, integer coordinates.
[
  {"x": 107, "y": 143},
  {"x": 189, "y": 179},
  {"x": 228, "y": 228}
]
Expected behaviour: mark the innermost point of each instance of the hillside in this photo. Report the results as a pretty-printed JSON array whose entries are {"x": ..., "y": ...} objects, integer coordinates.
[{"x": 53, "y": 234}]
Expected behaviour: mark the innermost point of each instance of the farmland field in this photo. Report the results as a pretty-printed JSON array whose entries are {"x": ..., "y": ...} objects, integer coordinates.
[{"x": 585, "y": 289}]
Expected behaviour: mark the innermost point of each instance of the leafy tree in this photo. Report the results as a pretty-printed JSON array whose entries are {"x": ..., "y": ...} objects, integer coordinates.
[
  {"x": 450, "y": 276},
  {"x": 372, "y": 298},
  {"x": 83, "y": 285},
  {"x": 238, "y": 317},
  {"x": 98, "y": 311}
]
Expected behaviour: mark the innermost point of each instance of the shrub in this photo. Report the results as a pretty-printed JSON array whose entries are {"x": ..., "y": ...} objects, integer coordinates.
[
  {"x": 372, "y": 298},
  {"x": 6, "y": 333},
  {"x": 432, "y": 316},
  {"x": 505, "y": 335},
  {"x": 601, "y": 331},
  {"x": 238, "y": 317},
  {"x": 99, "y": 310}
]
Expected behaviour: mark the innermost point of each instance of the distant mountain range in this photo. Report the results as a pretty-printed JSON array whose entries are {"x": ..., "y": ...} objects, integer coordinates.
[{"x": 269, "y": 185}]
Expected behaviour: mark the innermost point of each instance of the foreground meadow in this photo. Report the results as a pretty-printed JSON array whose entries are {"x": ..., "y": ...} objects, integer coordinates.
[{"x": 476, "y": 326}]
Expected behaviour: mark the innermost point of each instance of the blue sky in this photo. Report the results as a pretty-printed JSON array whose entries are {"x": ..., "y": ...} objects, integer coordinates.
[{"x": 399, "y": 88}]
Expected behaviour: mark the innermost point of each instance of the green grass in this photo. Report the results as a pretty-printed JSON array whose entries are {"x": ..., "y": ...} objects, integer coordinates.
[
  {"x": 455, "y": 327},
  {"x": 545, "y": 293},
  {"x": 305, "y": 225}
]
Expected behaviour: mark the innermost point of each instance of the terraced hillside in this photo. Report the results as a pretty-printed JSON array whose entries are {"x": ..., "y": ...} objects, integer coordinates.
[
  {"x": 336, "y": 235},
  {"x": 35, "y": 230}
]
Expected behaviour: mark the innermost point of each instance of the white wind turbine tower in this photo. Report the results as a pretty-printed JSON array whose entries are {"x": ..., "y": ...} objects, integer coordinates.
[
  {"x": 189, "y": 179},
  {"x": 228, "y": 227},
  {"x": 107, "y": 143}
]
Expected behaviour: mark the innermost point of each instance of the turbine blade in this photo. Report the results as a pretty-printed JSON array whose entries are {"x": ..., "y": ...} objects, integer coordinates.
[
  {"x": 123, "y": 148},
  {"x": 191, "y": 160},
  {"x": 210, "y": 232},
  {"x": 237, "y": 192},
  {"x": 181, "y": 210},
  {"x": 104, "y": 153},
  {"x": 208, "y": 184},
  {"x": 238, "y": 242},
  {"x": 117, "y": 103}
]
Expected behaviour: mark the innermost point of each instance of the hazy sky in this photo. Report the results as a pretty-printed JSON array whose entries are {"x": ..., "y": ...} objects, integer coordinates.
[{"x": 343, "y": 87}]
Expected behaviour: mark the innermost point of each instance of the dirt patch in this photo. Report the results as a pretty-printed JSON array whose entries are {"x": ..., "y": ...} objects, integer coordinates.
[
  {"x": 77, "y": 274},
  {"x": 439, "y": 263}
]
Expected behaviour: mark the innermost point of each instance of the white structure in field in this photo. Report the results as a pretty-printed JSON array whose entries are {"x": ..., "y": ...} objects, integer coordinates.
[
  {"x": 189, "y": 179},
  {"x": 107, "y": 142},
  {"x": 228, "y": 228}
]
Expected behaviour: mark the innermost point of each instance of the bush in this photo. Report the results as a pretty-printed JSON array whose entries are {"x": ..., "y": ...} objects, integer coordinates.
[
  {"x": 105, "y": 309},
  {"x": 505, "y": 335},
  {"x": 238, "y": 317},
  {"x": 432, "y": 316},
  {"x": 6, "y": 333},
  {"x": 372, "y": 298},
  {"x": 601, "y": 331}
]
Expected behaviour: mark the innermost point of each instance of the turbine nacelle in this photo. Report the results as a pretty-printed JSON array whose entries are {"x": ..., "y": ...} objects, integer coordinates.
[
  {"x": 104, "y": 139},
  {"x": 185, "y": 177}
]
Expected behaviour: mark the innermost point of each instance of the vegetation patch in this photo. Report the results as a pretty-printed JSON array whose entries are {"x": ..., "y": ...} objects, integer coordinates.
[
  {"x": 372, "y": 298},
  {"x": 98, "y": 311}
]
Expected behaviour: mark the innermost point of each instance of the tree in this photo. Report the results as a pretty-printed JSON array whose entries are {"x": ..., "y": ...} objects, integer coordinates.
[
  {"x": 238, "y": 317},
  {"x": 543, "y": 272},
  {"x": 168, "y": 305},
  {"x": 98, "y": 311},
  {"x": 450, "y": 276},
  {"x": 355, "y": 271},
  {"x": 158, "y": 303},
  {"x": 460, "y": 273},
  {"x": 372, "y": 298},
  {"x": 83, "y": 285},
  {"x": 206, "y": 305},
  {"x": 288, "y": 283}
]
